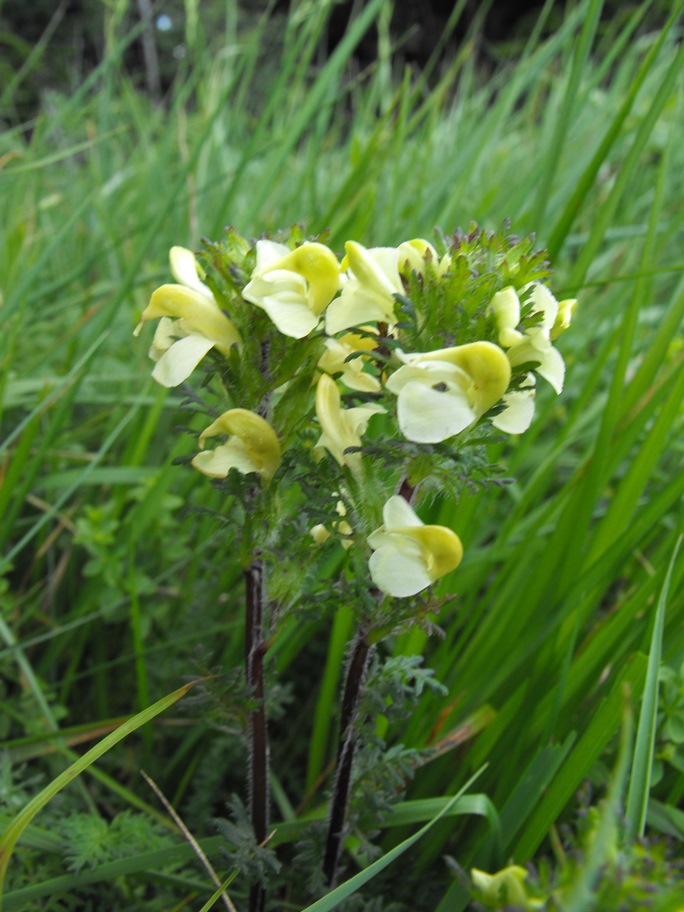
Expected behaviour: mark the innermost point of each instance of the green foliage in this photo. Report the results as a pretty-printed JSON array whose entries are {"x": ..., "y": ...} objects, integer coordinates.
[
  {"x": 90, "y": 841},
  {"x": 256, "y": 862}
]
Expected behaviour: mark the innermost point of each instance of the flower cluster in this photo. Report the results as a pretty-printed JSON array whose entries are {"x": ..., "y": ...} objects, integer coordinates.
[{"x": 403, "y": 343}]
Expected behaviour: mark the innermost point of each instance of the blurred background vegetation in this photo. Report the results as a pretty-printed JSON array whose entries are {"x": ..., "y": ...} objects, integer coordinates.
[{"x": 59, "y": 44}]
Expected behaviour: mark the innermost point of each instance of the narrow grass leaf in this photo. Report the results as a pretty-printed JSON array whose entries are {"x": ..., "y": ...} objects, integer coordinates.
[
  {"x": 584, "y": 186},
  {"x": 351, "y": 886},
  {"x": 604, "y": 724},
  {"x": 604, "y": 841},
  {"x": 640, "y": 780},
  {"x": 23, "y": 819}
]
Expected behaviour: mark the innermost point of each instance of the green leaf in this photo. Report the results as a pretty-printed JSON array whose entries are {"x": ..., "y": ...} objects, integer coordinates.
[
  {"x": 640, "y": 781},
  {"x": 351, "y": 886},
  {"x": 23, "y": 819}
]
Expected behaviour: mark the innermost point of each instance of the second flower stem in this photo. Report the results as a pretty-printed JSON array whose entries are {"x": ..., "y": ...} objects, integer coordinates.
[
  {"x": 346, "y": 747},
  {"x": 255, "y": 649}
]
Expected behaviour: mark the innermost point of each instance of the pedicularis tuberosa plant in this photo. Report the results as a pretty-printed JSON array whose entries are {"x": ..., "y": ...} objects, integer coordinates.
[{"x": 343, "y": 394}]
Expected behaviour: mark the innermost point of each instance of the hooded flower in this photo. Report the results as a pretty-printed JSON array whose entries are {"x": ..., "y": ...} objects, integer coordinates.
[
  {"x": 441, "y": 393},
  {"x": 344, "y": 356},
  {"x": 409, "y": 556},
  {"x": 534, "y": 345},
  {"x": 419, "y": 255},
  {"x": 293, "y": 286},
  {"x": 342, "y": 428},
  {"x": 200, "y": 325},
  {"x": 368, "y": 293},
  {"x": 252, "y": 446}
]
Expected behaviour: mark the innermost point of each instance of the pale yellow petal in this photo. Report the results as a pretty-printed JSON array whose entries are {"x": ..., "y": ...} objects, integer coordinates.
[
  {"x": 318, "y": 265},
  {"x": 376, "y": 269},
  {"x": 341, "y": 428},
  {"x": 407, "y": 555},
  {"x": 358, "y": 305},
  {"x": 284, "y": 296},
  {"x": 398, "y": 513},
  {"x": 334, "y": 360},
  {"x": 180, "y": 360},
  {"x": 185, "y": 269},
  {"x": 432, "y": 401},
  {"x": 537, "y": 348},
  {"x": 398, "y": 569},
  {"x": 253, "y": 445},
  {"x": 566, "y": 310},
  {"x": 217, "y": 463},
  {"x": 200, "y": 314},
  {"x": 505, "y": 305},
  {"x": 518, "y": 411}
]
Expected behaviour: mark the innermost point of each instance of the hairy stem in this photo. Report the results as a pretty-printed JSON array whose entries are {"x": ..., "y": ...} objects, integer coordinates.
[
  {"x": 255, "y": 649},
  {"x": 346, "y": 747}
]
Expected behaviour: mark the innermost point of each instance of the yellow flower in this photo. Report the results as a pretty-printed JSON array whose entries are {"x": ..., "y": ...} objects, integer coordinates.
[
  {"x": 293, "y": 286},
  {"x": 507, "y": 887},
  {"x": 334, "y": 361},
  {"x": 419, "y": 255},
  {"x": 407, "y": 555},
  {"x": 252, "y": 446},
  {"x": 566, "y": 310},
  {"x": 534, "y": 345},
  {"x": 368, "y": 292},
  {"x": 342, "y": 428},
  {"x": 200, "y": 325},
  {"x": 441, "y": 393},
  {"x": 320, "y": 533}
]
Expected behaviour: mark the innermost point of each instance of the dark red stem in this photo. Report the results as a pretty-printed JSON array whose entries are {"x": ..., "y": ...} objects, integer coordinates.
[
  {"x": 346, "y": 747},
  {"x": 255, "y": 649}
]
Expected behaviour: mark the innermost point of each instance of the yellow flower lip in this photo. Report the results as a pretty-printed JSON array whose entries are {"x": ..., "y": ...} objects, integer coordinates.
[
  {"x": 419, "y": 255},
  {"x": 442, "y": 548},
  {"x": 180, "y": 344},
  {"x": 566, "y": 310},
  {"x": 293, "y": 286},
  {"x": 407, "y": 555},
  {"x": 534, "y": 345},
  {"x": 336, "y": 360},
  {"x": 198, "y": 313},
  {"x": 318, "y": 265},
  {"x": 443, "y": 392},
  {"x": 370, "y": 273},
  {"x": 368, "y": 293},
  {"x": 487, "y": 366},
  {"x": 252, "y": 446}
]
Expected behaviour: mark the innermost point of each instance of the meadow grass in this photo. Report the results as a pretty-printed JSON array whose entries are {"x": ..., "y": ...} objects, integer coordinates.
[{"x": 118, "y": 582}]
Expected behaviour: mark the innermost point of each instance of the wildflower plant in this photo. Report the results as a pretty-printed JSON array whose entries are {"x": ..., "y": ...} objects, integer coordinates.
[{"x": 343, "y": 390}]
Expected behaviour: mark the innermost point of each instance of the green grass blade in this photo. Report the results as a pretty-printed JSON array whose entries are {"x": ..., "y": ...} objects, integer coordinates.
[
  {"x": 604, "y": 842},
  {"x": 604, "y": 724},
  {"x": 219, "y": 893},
  {"x": 606, "y": 214},
  {"x": 562, "y": 129},
  {"x": 23, "y": 819},
  {"x": 584, "y": 185},
  {"x": 640, "y": 780},
  {"x": 354, "y": 884}
]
